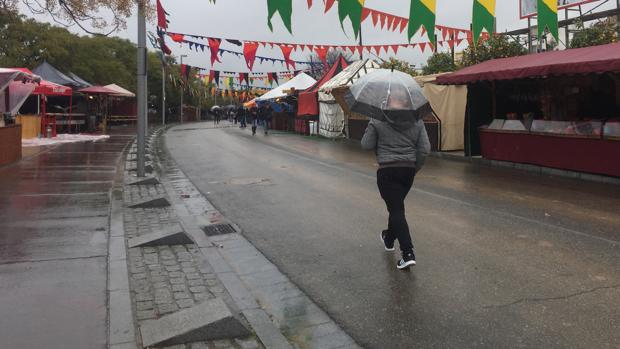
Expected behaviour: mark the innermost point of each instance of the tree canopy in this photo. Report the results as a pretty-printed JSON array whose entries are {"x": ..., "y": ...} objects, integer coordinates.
[
  {"x": 600, "y": 33},
  {"x": 100, "y": 60},
  {"x": 399, "y": 65},
  {"x": 439, "y": 63},
  {"x": 498, "y": 46}
]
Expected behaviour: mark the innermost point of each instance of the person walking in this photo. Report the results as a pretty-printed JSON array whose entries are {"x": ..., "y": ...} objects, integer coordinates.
[
  {"x": 401, "y": 146},
  {"x": 267, "y": 116},
  {"x": 254, "y": 116}
]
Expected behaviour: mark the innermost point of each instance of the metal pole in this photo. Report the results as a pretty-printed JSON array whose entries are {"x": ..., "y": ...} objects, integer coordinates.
[
  {"x": 182, "y": 90},
  {"x": 618, "y": 18},
  {"x": 163, "y": 94},
  {"x": 141, "y": 93},
  {"x": 529, "y": 35},
  {"x": 361, "y": 43},
  {"x": 566, "y": 33}
]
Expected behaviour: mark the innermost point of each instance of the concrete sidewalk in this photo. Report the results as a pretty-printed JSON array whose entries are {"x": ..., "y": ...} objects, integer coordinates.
[{"x": 54, "y": 214}]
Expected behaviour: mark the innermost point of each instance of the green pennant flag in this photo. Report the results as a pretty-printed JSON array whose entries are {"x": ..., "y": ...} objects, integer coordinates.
[
  {"x": 353, "y": 10},
  {"x": 284, "y": 8},
  {"x": 422, "y": 13},
  {"x": 483, "y": 17},
  {"x": 548, "y": 18}
]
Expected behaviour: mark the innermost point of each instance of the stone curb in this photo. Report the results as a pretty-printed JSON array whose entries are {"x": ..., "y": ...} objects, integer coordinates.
[{"x": 121, "y": 329}]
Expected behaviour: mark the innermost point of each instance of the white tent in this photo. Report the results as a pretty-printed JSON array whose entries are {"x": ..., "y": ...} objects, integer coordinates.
[
  {"x": 301, "y": 82},
  {"x": 333, "y": 122},
  {"x": 18, "y": 85},
  {"x": 120, "y": 92}
]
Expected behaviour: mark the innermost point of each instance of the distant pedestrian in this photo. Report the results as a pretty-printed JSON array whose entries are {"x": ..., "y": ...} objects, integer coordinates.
[
  {"x": 267, "y": 116},
  {"x": 401, "y": 149},
  {"x": 254, "y": 117},
  {"x": 241, "y": 116}
]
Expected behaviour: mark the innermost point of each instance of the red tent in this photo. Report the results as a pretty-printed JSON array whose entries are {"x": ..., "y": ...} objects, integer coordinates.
[
  {"x": 595, "y": 59},
  {"x": 308, "y": 101},
  {"x": 48, "y": 88}
]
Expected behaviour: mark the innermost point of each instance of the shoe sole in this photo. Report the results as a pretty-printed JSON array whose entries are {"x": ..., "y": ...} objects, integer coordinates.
[
  {"x": 406, "y": 265},
  {"x": 383, "y": 242}
]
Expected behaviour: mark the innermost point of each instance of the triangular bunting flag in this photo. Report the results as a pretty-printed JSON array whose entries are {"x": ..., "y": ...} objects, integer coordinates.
[
  {"x": 249, "y": 52},
  {"x": 284, "y": 8},
  {"x": 365, "y": 13},
  {"x": 395, "y": 49},
  {"x": 329, "y": 4},
  {"x": 214, "y": 46},
  {"x": 322, "y": 52},
  {"x": 286, "y": 52}
]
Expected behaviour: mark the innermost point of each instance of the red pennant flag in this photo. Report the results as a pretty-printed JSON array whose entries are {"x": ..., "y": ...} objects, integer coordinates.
[
  {"x": 249, "y": 52},
  {"x": 262, "y": 43},
  {"x": 383, "y": 17},
  {"x": 377, "y": 49},
  {"x": 177, "y": 37},
  {"x": 403, "y": 25},
  {"x": 413, "y": 45},
  {"x": 422, "y": 46},
  {"x": 395, "y": 49},
  {"x": 375, "y": 17},
  {"x": 423, "y": 31},
  {"x": 214, "y": 46},
  {"x": 328, "y": 5},
  {"x": 309, "y": 3},
  {"x": 470, "y": 38},
  {"x": 385, "y": 48},
  {"x": 286, "y": 52},
  {"x": 390, "y": 21},
  {"x": 459, "y": 41},
  {"x": 395, "y": 24},
  {"x": 365, "y": 13},
  {"x": 444, "y": 32},
  {"x": 359, "y": 49},
  {"x": 322, "y": 52},
  {"x": 294, "y": 47},
  {"x": 310, "y": 47},
  {"x": 162, "y": 22},
  {"x": 302, "y": 47},
  {"x": 271, "y": 44}
]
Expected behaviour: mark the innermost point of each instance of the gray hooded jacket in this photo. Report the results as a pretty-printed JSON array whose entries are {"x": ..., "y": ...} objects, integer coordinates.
[{"x": 398, "y": 144}]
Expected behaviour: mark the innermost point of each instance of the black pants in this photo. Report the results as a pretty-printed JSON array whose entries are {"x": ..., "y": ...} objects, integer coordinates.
[{"x": 394, "y": 184}]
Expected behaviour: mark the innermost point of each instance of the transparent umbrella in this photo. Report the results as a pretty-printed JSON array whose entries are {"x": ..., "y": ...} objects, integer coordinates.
[{"x": 387, "y": 95}]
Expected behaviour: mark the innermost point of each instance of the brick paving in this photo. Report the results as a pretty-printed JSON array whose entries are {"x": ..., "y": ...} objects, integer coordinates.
[{"x": 165, "y": 279}]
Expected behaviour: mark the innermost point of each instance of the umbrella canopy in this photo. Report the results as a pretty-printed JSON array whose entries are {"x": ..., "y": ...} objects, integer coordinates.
[
  {"x": 388, "y": 95},
  {"x": 215, "y": 107}
]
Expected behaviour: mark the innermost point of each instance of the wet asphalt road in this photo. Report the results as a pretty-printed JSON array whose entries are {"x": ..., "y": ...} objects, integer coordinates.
[
  {"x": 506, "y": 259},
  {"x": 54, "y": 221}
]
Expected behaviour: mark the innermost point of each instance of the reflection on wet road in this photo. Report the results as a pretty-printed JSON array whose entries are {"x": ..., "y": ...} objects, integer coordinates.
[
  {"x": 54, "y": 208},
  {"x": 506, "y": 258}
]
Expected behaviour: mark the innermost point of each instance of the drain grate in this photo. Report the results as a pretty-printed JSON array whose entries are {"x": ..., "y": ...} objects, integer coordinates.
[{"x": 218, "y": 229}]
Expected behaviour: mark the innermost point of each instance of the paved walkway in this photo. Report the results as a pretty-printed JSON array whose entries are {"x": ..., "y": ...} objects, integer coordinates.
[{"x": 54, "y": 211}]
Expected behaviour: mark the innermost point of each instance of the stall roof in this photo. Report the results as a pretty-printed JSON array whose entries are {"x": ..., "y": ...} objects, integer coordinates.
[
  {"x": 299, "y": 82},
  {"x": 120, "y": 92},
  {"x": 350, "y": 74},
  {"x": 79, "y": 79},
  {"x": 308, "y": 101},
  {"x": 8, "y": 75},
  {"x": 595, "y": 59},
  {"x": 97, "y": 90},
  {"x": 50, "y": 73},
  {"x": 48, "y": 88}
]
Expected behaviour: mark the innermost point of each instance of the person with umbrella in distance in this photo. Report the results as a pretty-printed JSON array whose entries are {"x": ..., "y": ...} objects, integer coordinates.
[{"x": 395, "y": 104}]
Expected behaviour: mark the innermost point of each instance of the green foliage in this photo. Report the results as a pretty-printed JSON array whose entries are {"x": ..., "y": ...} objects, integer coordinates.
[
  {"x": 100, "y": 60},
  {"x": 439, "y": 63},
  {"x": 498, "y": 46},
  {"x": 601, "y": 33},
  {"x": 399, "y": 65}
]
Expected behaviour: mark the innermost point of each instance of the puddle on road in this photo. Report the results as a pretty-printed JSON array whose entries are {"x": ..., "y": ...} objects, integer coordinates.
[{"x": 245, "y": 181}]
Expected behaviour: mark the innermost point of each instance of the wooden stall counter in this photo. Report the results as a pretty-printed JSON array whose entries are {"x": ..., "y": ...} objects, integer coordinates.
[
  {"x": 31, "y": 125},
  {"x": 10, "y": 144}
]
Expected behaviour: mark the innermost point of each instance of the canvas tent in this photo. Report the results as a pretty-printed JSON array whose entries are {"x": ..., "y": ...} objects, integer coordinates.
[
  {"x": 15, "y": 86},
  {"x": 79, "y": 79},
  {"x": 47, "y": 72},
  {"x": 119, "y": 91},
  {"x": 300, "y": 82},
  {"x": 449, "y": 103},
  {"x": 308, "y": 100},
  {"x": 333, "y": 122}
]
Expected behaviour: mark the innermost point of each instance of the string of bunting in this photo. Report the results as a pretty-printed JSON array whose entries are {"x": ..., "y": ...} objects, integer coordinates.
[{"x": 214, "y": 76}]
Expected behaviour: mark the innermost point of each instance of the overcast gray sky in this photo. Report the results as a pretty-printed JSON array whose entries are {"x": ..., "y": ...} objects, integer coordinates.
[{"x": 247, "y": 20}]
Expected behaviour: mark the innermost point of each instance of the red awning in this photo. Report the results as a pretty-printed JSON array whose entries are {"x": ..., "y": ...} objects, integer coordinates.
[
  {"x": 595, "y": 59},
  {"x": 48, "y": 88},
  {"x": 308, "y": 103},
  {"x": 97, "y": 90}
]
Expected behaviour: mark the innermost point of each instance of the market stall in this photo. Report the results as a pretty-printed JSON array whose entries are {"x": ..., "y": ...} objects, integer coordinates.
[
  {"x": 308, "y": 108},
  {"x": 334, "y": 121},
  {"x": 98, "y": 106},
  {"x": 447, "y": 130},
  {"x": 122, "y": 105},
  {"x": 15, "y": 87},
  {"x": 557, "y": 109},
  {"x": 283, "y": 101}
]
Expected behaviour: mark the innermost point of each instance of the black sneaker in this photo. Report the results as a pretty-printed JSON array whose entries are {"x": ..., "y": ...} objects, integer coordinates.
[
  {"x": 407, "y": 261},
  {"x": 385, "y": 244}
]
